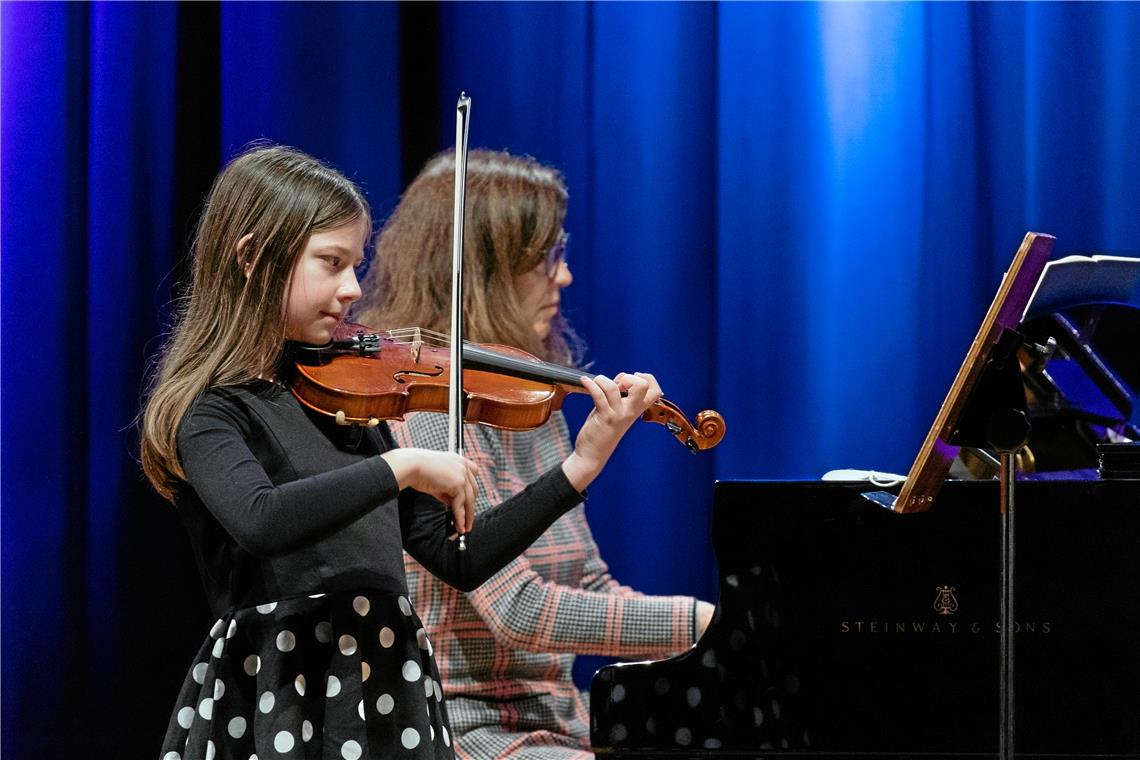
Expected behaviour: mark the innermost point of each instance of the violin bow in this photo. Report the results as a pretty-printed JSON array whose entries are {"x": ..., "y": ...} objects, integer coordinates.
[{"x": 455, "y": 401}]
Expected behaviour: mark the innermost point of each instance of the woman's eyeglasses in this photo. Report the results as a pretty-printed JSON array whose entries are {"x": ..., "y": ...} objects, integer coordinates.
[{"x": 556, "y": 256}]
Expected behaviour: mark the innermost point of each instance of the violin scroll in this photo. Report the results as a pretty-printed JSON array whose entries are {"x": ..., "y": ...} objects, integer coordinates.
[{"x": 704, "y": 435}]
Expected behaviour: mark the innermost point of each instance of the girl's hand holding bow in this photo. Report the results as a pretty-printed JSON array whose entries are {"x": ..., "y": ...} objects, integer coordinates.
[{"x": 448, "y": 477}]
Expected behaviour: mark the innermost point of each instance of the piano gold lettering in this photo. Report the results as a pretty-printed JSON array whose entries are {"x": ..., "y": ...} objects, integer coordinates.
[{"x": 936, "y": 627}]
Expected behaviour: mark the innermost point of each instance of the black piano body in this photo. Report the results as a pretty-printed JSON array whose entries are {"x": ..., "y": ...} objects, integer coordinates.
[{"x": 845, "y": 630}]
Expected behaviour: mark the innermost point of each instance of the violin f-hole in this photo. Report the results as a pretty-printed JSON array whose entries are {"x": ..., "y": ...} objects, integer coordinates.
[{"x": 399, "y": 376}]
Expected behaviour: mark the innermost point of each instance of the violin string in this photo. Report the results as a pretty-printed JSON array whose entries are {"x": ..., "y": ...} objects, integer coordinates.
[{"x": 535, "y": 368}]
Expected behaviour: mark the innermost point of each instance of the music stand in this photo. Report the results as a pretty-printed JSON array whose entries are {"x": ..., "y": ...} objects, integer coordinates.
[
  {"x": 985, "y": 407},
  {"x": 932, "y": 464}
]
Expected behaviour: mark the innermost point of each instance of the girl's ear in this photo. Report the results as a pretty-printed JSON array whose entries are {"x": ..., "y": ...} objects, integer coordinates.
[{"x": 242, "y": 244}]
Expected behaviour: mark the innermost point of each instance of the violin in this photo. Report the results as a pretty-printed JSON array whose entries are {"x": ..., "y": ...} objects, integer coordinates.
[{"x": 364, "y": 376}]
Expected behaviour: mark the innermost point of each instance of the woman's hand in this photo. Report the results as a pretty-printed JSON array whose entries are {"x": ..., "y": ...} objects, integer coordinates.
[
  {"x": 704, "y": 614},
  {"x": 612, "y": 415},
  {"x": 448, "y": 477}
]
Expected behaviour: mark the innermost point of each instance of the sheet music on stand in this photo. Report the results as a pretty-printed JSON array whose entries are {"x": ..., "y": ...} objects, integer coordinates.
[{"x": 1077, "y": 280}]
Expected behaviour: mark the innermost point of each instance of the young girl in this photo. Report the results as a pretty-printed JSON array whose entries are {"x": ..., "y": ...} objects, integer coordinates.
[
  {"x": 506, "y": 649},
  {"x": 297, "y": 523}
]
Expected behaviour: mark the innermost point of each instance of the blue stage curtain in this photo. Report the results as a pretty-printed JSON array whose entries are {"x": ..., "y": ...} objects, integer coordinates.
[
  {"x": 88, "y": 98},
  {"x": 793, "y": 213}
]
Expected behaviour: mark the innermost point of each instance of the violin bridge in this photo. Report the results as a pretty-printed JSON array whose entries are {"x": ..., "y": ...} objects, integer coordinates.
[{"x": 416, "y": 345}]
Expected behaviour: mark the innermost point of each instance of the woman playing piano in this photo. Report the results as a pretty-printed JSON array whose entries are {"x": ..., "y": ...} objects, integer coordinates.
[{"x": 505, "y": 651}]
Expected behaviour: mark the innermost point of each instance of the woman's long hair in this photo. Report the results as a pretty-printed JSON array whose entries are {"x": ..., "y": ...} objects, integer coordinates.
[
  {"x": 515, "y": 210},
  {"x": 230, "y": 326}
]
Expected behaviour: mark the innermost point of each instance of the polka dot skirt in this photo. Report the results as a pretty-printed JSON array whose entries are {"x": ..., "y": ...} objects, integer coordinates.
[{"x": 335, "y": 677}]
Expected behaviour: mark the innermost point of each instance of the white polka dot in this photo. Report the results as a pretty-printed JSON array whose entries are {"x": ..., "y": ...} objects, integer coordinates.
[
  {"x": 315, "y": 596},
  {"x": 410, "y": 738},
  {"x": 172, "y": 756},
  {"x": 237, "y": 727},
  {"x": 206, "y": 709},
  {"x": 347, "y": 645},
  {"x": 286, "y": 641},
  {"x": 253, "y": 757},
  {"x": 232, "y": 629},
  {"x": 618, "y": 693},
  {"x": 427, "y": 686},
  {"x": 265, "y": 704},
  {"x": 219, "y": 647},
  {"x": 219, "y": 689},
  {"x": 406, "y": 608},
  {"x": 186, "y": 717},
  {"x": 333, "y": 687},
  {"x": 387, "y": 637},
  {"x": 360, "y": 709},
  {"x": 446, "y": 737},
  {"x": 199, "y": 673},
  {"x": 361, "y": 605},
  {"x": 432, "y": 728},
  {"x": 683, "y": 736},
  {"x": 385, "y": 704},
  {"x": 265, "y": 609},
  {"x": 299, "y": 684},
  {"x": 211, "y": 750},
  {"x": 422, "y": 639},
  {"x": 693, "y": 696},
  {"x": 350, "y": 750},
  {"x": 365, "y": 671},
  {"x": 323, "y": 632},
  {"x": 435, "y": 689},
  {"x": 306, "y": 731},
  {"x": 411, "y": 670},
  {"x": 252, "y": 665},
  {"x": 218, "y": 629},
  {"x": 283, "y": 742}
]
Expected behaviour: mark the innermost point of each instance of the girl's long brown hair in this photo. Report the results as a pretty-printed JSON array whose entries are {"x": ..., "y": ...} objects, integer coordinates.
[
  {"x": 230, "y": 327},
  {"x": 515, "y": 210}
]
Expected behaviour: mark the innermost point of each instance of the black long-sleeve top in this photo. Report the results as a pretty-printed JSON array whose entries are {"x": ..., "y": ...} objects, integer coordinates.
[{"x": 281, "y": 502}]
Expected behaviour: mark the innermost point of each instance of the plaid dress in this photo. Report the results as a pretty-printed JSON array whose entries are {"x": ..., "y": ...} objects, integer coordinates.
[{"x": 505, "y": 651}]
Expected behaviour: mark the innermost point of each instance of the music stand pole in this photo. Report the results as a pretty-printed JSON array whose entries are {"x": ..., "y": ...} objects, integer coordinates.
[
  {"x": 996, "y": 414},
  {"x": 1008, "y": 476}
]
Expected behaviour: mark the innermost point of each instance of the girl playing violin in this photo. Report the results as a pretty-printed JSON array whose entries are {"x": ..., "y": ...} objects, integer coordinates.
[
  {"x": 297, "y": 523},
  {"x": 506, "y": 649}
]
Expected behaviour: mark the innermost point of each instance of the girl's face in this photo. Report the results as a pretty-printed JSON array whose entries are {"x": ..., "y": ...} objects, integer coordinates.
[
  {"x": 324, "y": 284},
  {"x": 539, "y": 293}
]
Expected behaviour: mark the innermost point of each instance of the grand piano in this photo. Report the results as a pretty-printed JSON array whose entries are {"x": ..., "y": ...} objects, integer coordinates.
[{"x": 847, "y": 630}]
